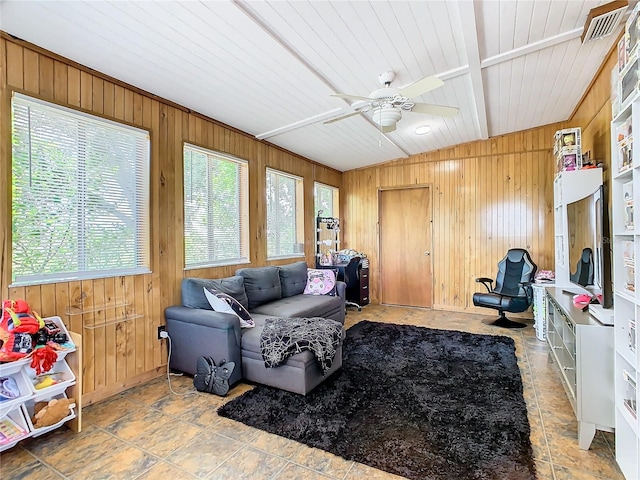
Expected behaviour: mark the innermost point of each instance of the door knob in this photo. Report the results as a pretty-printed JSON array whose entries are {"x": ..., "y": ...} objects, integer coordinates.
[{"x": 427, "y": 253}]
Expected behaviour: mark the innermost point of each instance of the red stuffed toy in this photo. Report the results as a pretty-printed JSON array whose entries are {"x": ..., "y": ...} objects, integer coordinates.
[{"x": 17, "y": 325}]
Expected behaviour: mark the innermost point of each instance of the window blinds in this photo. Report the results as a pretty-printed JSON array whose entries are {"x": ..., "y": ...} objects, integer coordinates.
[
  {"x": 216, "y": 225},
  {"x": 80, "y": 204},
  {"x": 284, "y": 212}
]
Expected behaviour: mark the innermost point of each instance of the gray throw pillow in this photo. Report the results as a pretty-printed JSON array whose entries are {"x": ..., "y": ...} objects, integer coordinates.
[
  {"x": 262, "y": 285},
  {"x": 193, "y": 293},
  {"x": 293, "y": 278}
]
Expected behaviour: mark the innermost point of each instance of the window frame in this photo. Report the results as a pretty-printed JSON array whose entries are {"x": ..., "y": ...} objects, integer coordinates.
[
  {"x": 140, "y": 198},
  {"x": 298, "y": 216},
  {"x": 243, "y": 207}
]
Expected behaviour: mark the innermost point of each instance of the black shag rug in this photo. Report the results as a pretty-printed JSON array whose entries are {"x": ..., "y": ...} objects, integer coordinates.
[{"x": 413, "y": 401}]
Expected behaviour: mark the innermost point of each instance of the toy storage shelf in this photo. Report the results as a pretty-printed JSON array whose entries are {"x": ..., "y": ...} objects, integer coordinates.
[
  {"x": 625, "y": 191},
  {"x": 16, "y": 413}
]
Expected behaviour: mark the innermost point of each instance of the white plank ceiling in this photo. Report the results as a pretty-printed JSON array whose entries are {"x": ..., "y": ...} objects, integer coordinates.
[{"x": 269, "y": 67}]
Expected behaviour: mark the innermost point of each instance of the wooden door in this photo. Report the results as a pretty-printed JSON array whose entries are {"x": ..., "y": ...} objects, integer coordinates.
[{"x": 405, "y": 247}]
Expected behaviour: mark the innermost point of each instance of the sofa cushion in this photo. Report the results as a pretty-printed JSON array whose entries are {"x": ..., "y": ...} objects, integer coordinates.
[
  {"x": 293, "y": 278},
  {"x": 193, "y": 291},
  {"x": 262, "y": 285},
  {"x": 301, "y": 306}
]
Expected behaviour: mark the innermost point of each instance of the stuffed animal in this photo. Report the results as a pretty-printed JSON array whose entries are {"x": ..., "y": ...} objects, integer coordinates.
[{"x": 50, "y": 413}]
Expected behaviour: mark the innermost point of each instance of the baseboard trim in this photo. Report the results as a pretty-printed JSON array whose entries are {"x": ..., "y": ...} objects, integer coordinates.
[{"x": 106, "y": 392}]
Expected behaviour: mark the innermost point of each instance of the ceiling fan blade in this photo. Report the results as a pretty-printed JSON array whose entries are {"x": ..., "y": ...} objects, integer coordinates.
[
  {"x": 440, "y": 110},
  {"x": 389, "y": 129},
  {"x": 351, "y": 97},
  {"x": 421, "y": 86},
  {"x": 341, "y": 117}
]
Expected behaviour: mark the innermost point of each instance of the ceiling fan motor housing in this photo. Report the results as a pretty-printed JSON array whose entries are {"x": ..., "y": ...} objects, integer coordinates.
[{"x": 385, "y": 78}]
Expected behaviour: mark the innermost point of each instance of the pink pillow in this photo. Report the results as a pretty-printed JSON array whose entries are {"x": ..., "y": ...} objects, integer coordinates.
[{"x": 320, "y": 281}]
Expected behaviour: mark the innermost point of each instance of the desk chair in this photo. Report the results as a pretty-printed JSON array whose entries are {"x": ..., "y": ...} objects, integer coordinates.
[
  {"x": 512, "y": 292},
  {"x": 352, "y": 279}
]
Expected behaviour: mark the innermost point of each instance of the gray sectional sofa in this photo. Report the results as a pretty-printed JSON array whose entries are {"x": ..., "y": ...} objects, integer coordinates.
[{"x": 195, "y": 329}]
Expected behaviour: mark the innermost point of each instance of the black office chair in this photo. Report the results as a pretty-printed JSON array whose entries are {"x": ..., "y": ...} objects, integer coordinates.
[
  {"x": 352, "y": 279},
  {"x": 584, "y": 268},
  {"x": 512, "y": 292}
]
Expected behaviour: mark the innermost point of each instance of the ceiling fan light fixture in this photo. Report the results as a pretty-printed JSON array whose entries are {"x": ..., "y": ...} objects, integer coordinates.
[
  {"x": 386, "y": 116},
  {"x": 422, "y": 129}
]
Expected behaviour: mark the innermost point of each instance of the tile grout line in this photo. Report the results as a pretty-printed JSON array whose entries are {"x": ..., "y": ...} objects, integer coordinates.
[{"x": 538, "y": 408}]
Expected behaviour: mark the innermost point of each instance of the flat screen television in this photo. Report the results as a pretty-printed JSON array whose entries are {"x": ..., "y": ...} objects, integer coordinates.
[{"x": 590, "y": 246}]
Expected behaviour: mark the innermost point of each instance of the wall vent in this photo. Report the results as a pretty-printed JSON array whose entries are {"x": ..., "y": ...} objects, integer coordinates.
[{"x": 603, "y": 20}]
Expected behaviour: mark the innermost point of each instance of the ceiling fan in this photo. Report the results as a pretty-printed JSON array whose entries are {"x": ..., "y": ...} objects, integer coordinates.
[{"x": 387, "y": 103}]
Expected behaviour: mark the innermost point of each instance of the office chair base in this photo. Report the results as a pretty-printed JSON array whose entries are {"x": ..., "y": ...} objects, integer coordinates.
[
  {"x": 353, "y": 304},
  {"x": 504, "y": 322}
]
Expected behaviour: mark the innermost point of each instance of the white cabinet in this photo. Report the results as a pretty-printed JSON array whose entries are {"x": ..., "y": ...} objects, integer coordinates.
[
  {"x": 21, "y": 388},
  {"x": 569, "y": 186},
  {"x": 582, "y": 349},
  {"x": 625, "y": 167}
]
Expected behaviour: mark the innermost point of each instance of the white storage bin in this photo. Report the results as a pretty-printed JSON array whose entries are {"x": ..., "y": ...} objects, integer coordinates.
[
  {"x": 65, "y": 347},
  {"x": 61, "y": 373},
  {"x": 29, "y": 406},
  {"x": 11, "y": 385},
  {"x": 14, "y": 419},
  {"x": 10, "y": 368}
]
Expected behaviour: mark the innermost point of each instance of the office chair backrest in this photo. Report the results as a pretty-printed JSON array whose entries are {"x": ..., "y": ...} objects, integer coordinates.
[
  {"x": 515, "y": 268},
  {"x": 351, "y": 272},
  {"x": 584, "y": 268}
]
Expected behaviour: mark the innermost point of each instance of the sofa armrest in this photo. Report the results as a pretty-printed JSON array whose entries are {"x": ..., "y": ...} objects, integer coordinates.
[
  {"x": 197, "y": 332},
  {"x": 341, "y": 289}
]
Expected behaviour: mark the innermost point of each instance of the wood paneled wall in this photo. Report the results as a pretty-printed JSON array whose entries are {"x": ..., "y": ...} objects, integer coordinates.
[
  {"x": 488, "y": 196},
  {"x": 119, "y": 316}
]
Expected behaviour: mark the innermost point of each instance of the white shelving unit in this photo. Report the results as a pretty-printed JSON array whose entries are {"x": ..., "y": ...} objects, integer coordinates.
[
  {"x": 569, "y": 186},
  {"x": 626, "y": 248},
  {"x": 582, "y": 349},
  {"x": 20, "y": 410}
]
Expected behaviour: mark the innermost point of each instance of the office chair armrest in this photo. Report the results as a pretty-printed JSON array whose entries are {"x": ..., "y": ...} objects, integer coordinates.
[
  {"x": 484, "y": 281},
  {"x": 527, "y": 291}
]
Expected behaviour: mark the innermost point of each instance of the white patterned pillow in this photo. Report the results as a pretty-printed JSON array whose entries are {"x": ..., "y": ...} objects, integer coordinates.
[
  {"x": 320, "y": 281},
  {"x": 221, "y": 302}
]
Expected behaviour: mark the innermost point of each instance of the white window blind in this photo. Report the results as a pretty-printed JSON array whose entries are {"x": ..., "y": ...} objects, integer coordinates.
[
  {"x": 80, "y": 189},
  {"x": 285, "y": 210},
  {"x": 216, "y": 209},
  {"x": 326, "y": 200}
]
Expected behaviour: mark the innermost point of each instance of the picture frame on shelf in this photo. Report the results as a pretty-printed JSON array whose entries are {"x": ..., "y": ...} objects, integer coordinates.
[
  {"x": 628, "y": 217},
  {"x": 622, "y": 53}
]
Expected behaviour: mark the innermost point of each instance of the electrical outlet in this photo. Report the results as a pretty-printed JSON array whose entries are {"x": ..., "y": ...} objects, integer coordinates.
[{"x": 161, "y": 329}]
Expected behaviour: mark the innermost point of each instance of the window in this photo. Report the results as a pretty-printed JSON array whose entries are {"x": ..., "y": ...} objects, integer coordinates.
[
  {"x": 326, "y": 199},
  {"x": 80, "y": 195},
  {"x": 285, "y": 211},
  {"x": 216, "y": 209}
]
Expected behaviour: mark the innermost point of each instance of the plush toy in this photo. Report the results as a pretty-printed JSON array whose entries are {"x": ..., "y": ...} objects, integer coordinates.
[
  {"x": 17, "y": 325},
  {"x": 50, "y": 413}
]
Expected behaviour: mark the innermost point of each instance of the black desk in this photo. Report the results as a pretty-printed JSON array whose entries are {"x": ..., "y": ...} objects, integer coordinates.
[
  {"x": 357, "y": 291},
  {"x": 340, "y": 267}
]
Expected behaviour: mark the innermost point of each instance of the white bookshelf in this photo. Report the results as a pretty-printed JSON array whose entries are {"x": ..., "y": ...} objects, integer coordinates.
[{"x": 625, "y": 168}]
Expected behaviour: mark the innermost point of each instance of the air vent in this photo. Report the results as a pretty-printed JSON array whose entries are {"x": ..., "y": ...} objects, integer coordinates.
[{"x": 603, "y": 20}]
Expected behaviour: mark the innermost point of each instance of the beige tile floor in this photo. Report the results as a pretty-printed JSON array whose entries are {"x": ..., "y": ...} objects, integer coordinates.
[{"x": 149, "y": 433}]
